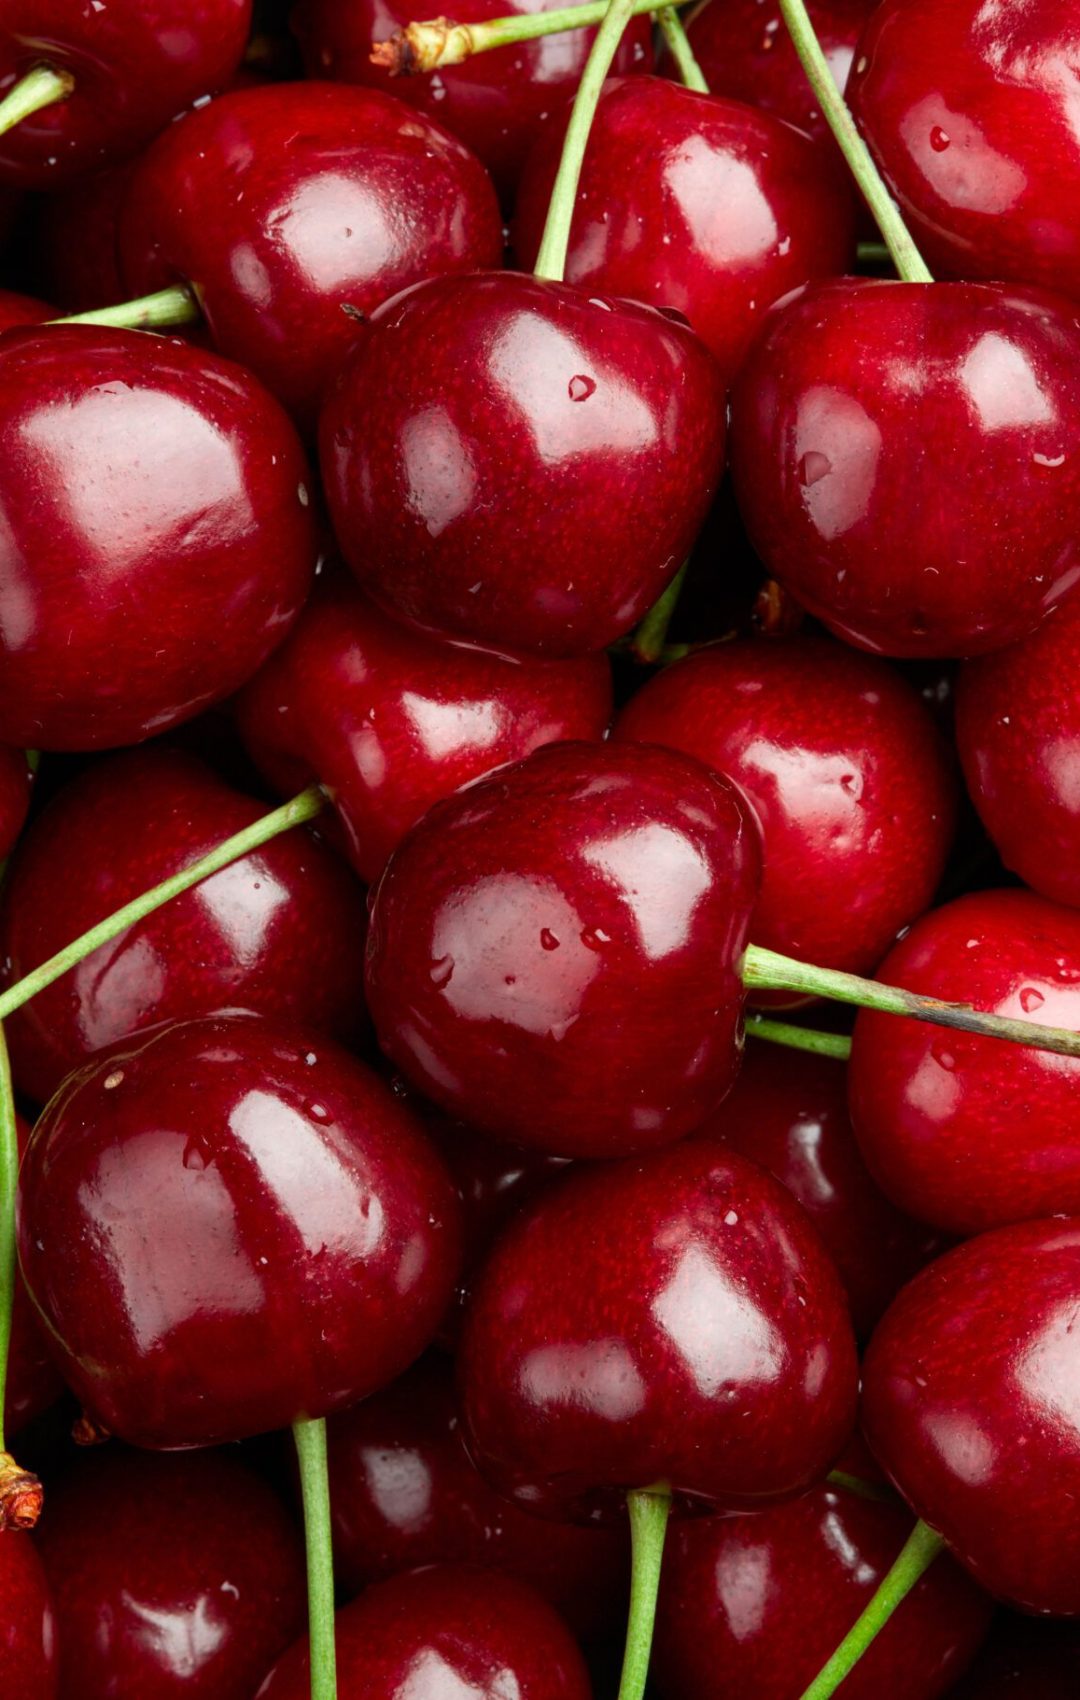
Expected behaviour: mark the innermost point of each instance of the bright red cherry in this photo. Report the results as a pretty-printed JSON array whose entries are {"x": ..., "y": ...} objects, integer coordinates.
[
  {"x": 391, "y": 720},
  {"x": 279, "y": 932},
  {"x": 575, "y": 919},
  {"x": 897, "y": 548},
  {"x": 230, "y": 1224},
  {"x": 327, "y": 201},
  {"x": 692, "y": 202},
  {"x": 848, "y": 775},
  {"x": 970, "y": 1401},
  {"x": 27, "y": 1623},
  {"x": 155, "y": 536},
  {"x": 441, "y": 1633},
  {"x": 516, "y": 463},
  {"x": 173, "y": 1576}
]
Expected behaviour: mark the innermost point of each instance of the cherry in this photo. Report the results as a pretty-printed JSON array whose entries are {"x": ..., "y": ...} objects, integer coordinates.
[
  {"x": 125, "y": 69},
  {"x": 308, "y": 181},
  {"x": 139, "y": 477},
  {"x": 172, "y": 1576},
  {"x": 391, "y": 720},
  {"x": 701, "y": 204},
  {"x": 27, "y": 1623},
  {"x": 32, "y": 1381},
  {"x": 765, "y": 1599},
  {"x": 279, "y": 932},
  {"x": 512, "y": 412},
  {"x": 848, "y": 776},
  {"x": 895, "y": 548},
  {"x": 575, "y": 918},
  {"x": 442, "y": 1632},
  {"x": 229, "y": 1225},
  {"x": 17, "y": 310}
]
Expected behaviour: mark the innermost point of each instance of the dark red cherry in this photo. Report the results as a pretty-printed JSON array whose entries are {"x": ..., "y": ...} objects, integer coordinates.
[
  {"x": 279, "y": 932},
  {"x": 766, "y": 1599},
  {"x": 969, "y": 111},
  {"x": 133, "y": 66},
  {"x": 441, "y": 1633},
  {"x": 674, "y": 1318},
  {"x": 955, "y": 1132},
  {"x": 327, "y": 201},
  {"x": 33, "y": 1381},
  {"x": 970, "y": 1401},
  {"x": 16, "y": 781},
  {"x": 173, "y": 1576},
  {"x": 404, "y": 1493},
  {"x": 696, "y": 203},
  {"x": 573, "y": 920},
  {"x": 519, "y": 464},
  {"x": 792, "y": 1118},
  {"x": 907, "y": 460},
  {"x": 17, "y": 310},
  {"x": 27, "y": 1623},
  {"x": 155, "y": 538},
  {"x": 391, "y": 720},
  {"x": 850, "y": 780},
  {"x": 497, "y": 103},
  {"x": 230, "y": 1224}
]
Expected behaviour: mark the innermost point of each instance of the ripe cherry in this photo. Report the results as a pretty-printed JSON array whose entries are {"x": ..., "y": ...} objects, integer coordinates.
[
  {"x": 33, "y": 1382},
  {"x": 27, "y": 1623},
  {"x": 17, "y": 310}
]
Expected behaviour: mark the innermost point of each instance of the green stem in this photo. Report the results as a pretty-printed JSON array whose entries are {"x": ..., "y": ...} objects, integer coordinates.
[
  {"x": 651, "y": 636},
  {"x": 310, "y": 1440},
  {"x": 875, "y": 1491},
  {"x": 766, "y": 970},
  {"x": 872, "y": 254},
  {"x": 302, "y": 808},
  {"x": 678, "y": 45},
  {"x": 906, "y": 257},
  {"x": 168, "y": 308},
  {"x": 41, "y": 87},
  {"x": 836, "y": 1045},
  {"x": 918, "y": 1553},
  {"x": 436, "y": 42},
  {"x": 551, "y": 260},
  {"x": 649, "y": 1509}
]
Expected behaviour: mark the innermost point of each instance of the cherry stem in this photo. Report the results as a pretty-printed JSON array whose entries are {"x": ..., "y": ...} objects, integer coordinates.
[
  {"x": 766, "y": 970},
  {"x": 916, "y": 1556},
  {"x": 650, "y": 639},
  {"x": 302, "y": 808},
  {"x": 906, "y": 257},
  {"x": 41, "y": 87},
  {"x": 20, "y": 1492},
  {"x": 649, "y": 1510},
  {"x": 836, "y": 1045},
  {"x": 435, "y": 42},
  {"x": 167, "y": 308},
  {"x": 678, "y": 45},
  {"x": 862, "y": 1489},
  {"x": 310, "y": 1441},
  {"x": 872, "y": 253}
]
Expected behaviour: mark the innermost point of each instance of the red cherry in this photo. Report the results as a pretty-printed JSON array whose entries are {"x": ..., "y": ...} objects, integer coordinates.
[
  {"x": 536, "y": 468},
  {"x": 228, "y": 1225},
  {"x": 18, "y": 310},
  {"x": 898, "y": 547},
  {"x": 33, "y": 1382},
  {"x": 391, "y": 720},
  {"x": 27, "y": 1623},
  {"x": 848, "y": 776},
  {"x": 172, "y": 1576},
  {"x": 573, "y": 920}
]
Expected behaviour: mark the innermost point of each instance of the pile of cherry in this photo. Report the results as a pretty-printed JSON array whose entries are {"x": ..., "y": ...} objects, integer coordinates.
[{"x": 516, "y": 449}]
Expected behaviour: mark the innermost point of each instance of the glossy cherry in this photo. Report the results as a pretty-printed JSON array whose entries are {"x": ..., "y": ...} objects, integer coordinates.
[
  {"x": 279, "y": 932},
  {"x": 327, "y": 200},
  {"x": 27, "y": 1623},
  {"x": 519, "y": 464},
  {"x": 172, "y": 1576},
  {"x": 441, "y": 1632},
  {"x": 33, "y": 1381},
  {"x": 696, "y": 203},
  {"x": 391, "y": 720},
  {"x": 907, "y": 460},
  {"x": 230, "y": 1224},
  {"x": 576, "y": 918},
  {"x": 850, "y": 780},
  {"x": 156, "y": 539},
  {"x": 970, "y": 1403}
]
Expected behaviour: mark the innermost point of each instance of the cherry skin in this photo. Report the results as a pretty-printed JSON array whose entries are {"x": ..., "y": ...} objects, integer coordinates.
[
  {"x": 479, "y": 429},
  {"x": 33, "y": 1381},
  {"x": 27, "y": 1623},
  {"x": 308, "y": 182},
  {"x": 172, "y": 1576},
  {"x": 279, "y": 932},
  {"x": 954, "y": 1132},
  {"x": 156, "y": 542},
  {"x": 696, "y": 203},
  {"x": 230, "y": 1224},
  {"x": 969, "y": 1404},
  {"x": 391, "y": 720},
  {"x": 906, "y": 460},
  {"x": 578, "y": 917},
  {"x": 441, "y": 1632},
  {"x": 766, "y": 1600},
  {"x": 850, "y": 780},
  {"x": 17, "y": 310}
]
